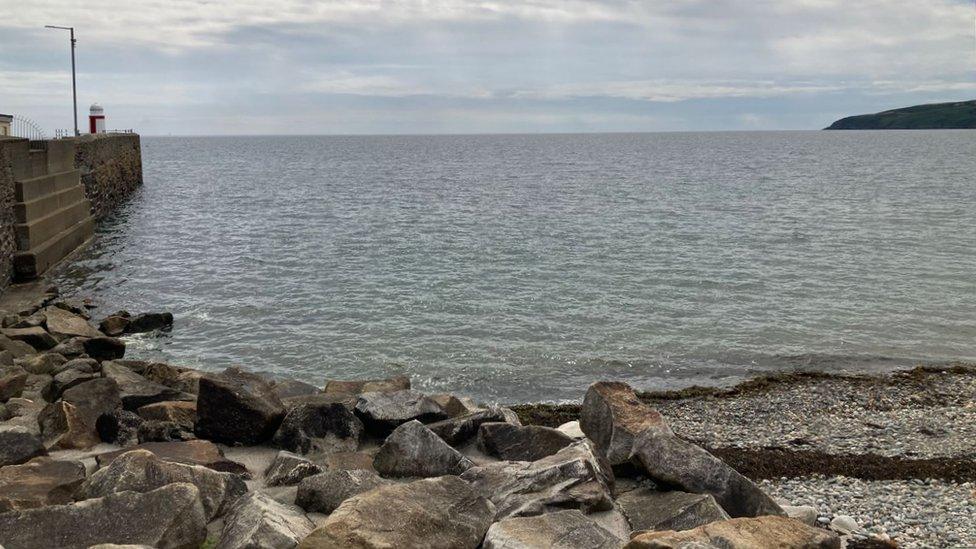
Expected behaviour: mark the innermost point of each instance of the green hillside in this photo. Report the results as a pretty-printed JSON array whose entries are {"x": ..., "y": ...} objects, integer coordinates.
[{"x": 936, "y": 116}]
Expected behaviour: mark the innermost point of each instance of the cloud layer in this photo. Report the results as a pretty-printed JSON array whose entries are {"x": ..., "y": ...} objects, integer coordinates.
[{"x": 373, "y": 66}]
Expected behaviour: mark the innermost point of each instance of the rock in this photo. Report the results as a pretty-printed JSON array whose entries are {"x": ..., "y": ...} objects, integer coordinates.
[
  {"x": 180, "y": 412},
  {"x": 72, "y": 348},
  {"x": 288, "y": 469},
  {"x": 36, "y": 386},
  {"x": 573, "y": 478},
  {"x": 29, "y": 321},
  {"x": 320, "y": 399},
  {"x": 517, "y": 443},
  {"x": 454, "y": 406},
  {"x": 348, "y": 461},
  {"x": 356, "y": 388},
  {"x": 114, "y": 325},
  {"x": 12, "y": 382},
  {"x": 143, "y": 471},
  {"x": 15, "y": 348},
  {"x": 148, "y": 322},
  {"x": 163, "y": 431},
  {"x": 168, "y": 517},
  {"x": 741, "y": 533},
  {"x": 85, "y": 365},
  {"x": 291, "y": 388},
  {"x": 676, "y": 463},
  {"x": 193, "y": 452},
  {"x": 458, "y": 430},
  {"x": 65, "y": 324},
  {"x": 324, "y": 492},
  {"x": 413, "y": 450},
  {"x": 6, "y": 358},
  {"x": 383, "y": 412},
  {"x": 104, "y": 348},
  {"x": 236, "y": 407},
  {"x": 71, "y": 422},
  {"x": 258, "y": 521},
  {"x": 436, "y": 513},
  {"x": 36, "y": 337},
  {"x": 844, "y": 524},
  {"x": 45, "y": 363},
  {"x": 23, "y": 413},
  {"x": 64, "y": 381},
  {"x": 137, "y": 391},
  {"x": 558, "y": 530},
  {"x": 803, "y": 513},
  {"x": 18, "y": 445},
  {"x": 319, "y": 429},
  {"x": 572, "y": 429},
  {"x": 74, "y": 306},
  {"x": 118, "y": 427},
  {"x": 40, "y": 482},
  {"x": 612, "y": 417},
  {"x": 648, "y": 509}
]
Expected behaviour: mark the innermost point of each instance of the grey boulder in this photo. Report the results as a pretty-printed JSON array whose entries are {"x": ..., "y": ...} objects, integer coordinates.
[
  {"x": 648, "y": 509},
  {"x": 18, "y": 445},
  {"x": 573, "y": 478},
  {"x": 679, "y": 464},
  {"x": 383, "y": 412},
  {"x": 324, "y": 492},
  {"x": 458, "y": 430},
  {"x": 136, "y": 391},
  {"x": 319, "y": 429},
  {"x": 438, "y": 513},
  {"x": 257, "y": 521},
  {"x": 142, "y": 471},
  {"x": 170, "y": 517},
  {"x": 236, "y": 407},
  {"x": 413, "y": 450},
  {"x": 612, "y": 417},
  {"x": 288, "y": 469},
  {"x": 569, "y": 529},
  {"x": 40, "y": 482},
  {"x": 517, "y": 443}
]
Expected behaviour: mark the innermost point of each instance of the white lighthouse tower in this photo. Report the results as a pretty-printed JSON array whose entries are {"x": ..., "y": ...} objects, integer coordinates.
[{"x": 96, "y": 119}]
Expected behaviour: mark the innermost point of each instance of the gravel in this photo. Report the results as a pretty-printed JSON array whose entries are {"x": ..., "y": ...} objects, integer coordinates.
[
  {"x": 917, "y": 414},
  {"x": 914, "y": 513}
]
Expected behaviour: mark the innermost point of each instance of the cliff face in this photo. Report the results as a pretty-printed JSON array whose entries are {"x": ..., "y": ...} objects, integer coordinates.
[{"x": 936, "y": 116}]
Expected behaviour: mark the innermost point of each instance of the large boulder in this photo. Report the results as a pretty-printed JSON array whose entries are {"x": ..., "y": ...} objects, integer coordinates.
[
  {"x": 319, "y": 429},
  {"x": 288, "y": 469},
  {"x": 383, "y": 412},
  {"x": 258, "y": 521},
  {"x": 163, "y": 431},
  {"x": 170, "y": 517},
  {"x": 16, "y": 348},
  {"x": 573, "y": 478},
  {"x": 180, "y": 412},
  {"x": 612, "y": 416},
  {"x": 44, "y": 363},
  {"x": 679, "y": 464},
  {"x": 65, "y": 324},
  {"x": 147, "y": 322},
  {"x": 358, "y": 387},
  {"x": 436, "y": 513},
  {"x": 193, "y": 452},
  {"x": 102, "y": 348},
  {"x": 324, "y": 492},
  {"x": 517, "y": 443},
  {"x": 13, "y": 379},
  {"x": 71, "y": 423},
  {"x": 40, "y": 482},
  {"x": 119, "y": 427},
  {"x": 114, "y": 325},
  {"x": 137, "y": 391},
  {"x": 142, "y": 471},
  {"x": 35, "y": 336},
  {"x": 19, "y": 445},
  {"x": 64, "y": 381},
  {"x": 236, "y": 407},
  {"x": 558, "y": 530},
  {"x": 648, "y": 509},
  {"x": 455, "y": 406},
  {"x": 768, "y": 532},
  {"x": 413, "y": 450},
  {"x": 23, "y": 413},
  {"x": 460, "y": 429}
]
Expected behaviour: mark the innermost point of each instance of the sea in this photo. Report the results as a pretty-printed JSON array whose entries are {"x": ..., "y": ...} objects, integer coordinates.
[{"x": 522, "y": 268}]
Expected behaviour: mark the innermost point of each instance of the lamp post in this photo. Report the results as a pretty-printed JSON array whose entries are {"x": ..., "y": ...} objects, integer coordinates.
[{"x": 74, "y": 87}]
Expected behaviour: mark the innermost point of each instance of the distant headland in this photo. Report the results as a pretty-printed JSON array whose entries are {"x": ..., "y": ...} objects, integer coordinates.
[{"x": 935, "y": 116}]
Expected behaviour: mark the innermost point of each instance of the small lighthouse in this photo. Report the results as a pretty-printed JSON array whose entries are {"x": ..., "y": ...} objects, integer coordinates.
[{"x": 96, "y": 119}]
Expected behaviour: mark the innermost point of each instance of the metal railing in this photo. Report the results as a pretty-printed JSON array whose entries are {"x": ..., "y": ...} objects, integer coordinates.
[{"x": 21, "y": 126}]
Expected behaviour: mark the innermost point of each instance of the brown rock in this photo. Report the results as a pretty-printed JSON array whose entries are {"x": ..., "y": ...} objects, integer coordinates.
[
  {"x": 192, "y": 452},
  {"x": 517, "y": 443},
  {"x": 114, "y": 325},
  {"x": 39, "y": 482},
  {"x": 16, "y": 348},
  {"x": 36, "y": 337},
  {"x": 768, "y": 532},
  {"x": 612, "y": 416},
  {"x": 349, "y": 461},
  {"x": 64, "y": 324},
  {"x": 180, "y": 412},
  {"x": 12, "y": 381}
]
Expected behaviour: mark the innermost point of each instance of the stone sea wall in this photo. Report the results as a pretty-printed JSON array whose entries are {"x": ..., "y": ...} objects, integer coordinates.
[
  {"x": 111, "y": 168},
  {"x": 10, "y": 149}
]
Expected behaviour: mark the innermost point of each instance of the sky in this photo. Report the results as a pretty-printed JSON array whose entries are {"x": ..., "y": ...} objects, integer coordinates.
[{"x": 187, "y": 67}]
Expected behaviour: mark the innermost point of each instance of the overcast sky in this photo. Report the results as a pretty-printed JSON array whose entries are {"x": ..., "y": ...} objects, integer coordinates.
[{"x": 467, "y": 66}]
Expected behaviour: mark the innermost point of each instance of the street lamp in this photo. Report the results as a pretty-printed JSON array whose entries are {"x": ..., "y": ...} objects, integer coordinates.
[{"x": 74, "y": 87}]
